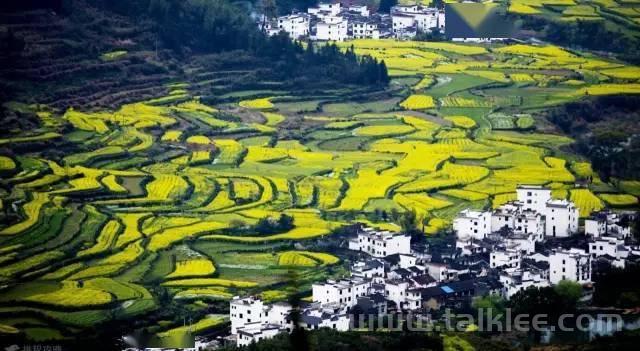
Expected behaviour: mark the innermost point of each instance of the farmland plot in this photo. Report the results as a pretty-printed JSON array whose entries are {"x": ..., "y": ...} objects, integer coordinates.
[{"x": 169, "y": 193}]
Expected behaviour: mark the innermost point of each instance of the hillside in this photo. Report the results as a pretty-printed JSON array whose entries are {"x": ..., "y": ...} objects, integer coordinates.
[
  {"x": 88, "y": 55},
  {"x": 606, "y": 26},
  {"x": 142, "y": 188},
  {"x": 88, "y": 58}
]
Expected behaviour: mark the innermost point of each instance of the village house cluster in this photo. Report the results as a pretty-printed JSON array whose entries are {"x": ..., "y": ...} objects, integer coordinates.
[
  {"x": 532, "y": 241},
  {"x": 332, "y": 21},
  {"x": 252, "y": 320}
]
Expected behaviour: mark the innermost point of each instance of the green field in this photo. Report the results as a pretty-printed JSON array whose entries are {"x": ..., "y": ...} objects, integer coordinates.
[{"x": 159, "y": 201}]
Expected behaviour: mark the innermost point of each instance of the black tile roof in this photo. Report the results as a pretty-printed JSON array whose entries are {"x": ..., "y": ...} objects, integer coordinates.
[{"x": 424, "y": 279}]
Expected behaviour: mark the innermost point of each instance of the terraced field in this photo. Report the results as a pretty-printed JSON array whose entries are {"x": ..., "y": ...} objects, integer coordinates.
[
  {"x": 615, "y": 13},
  {"x": 107, "y": 214},
  {"x": 618, "y": 16}
]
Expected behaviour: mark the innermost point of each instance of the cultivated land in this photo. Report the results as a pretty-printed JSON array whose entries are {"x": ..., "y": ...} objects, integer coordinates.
[
  {"x": 110, "y": 214},
  {"x": 619, "y": 16}
]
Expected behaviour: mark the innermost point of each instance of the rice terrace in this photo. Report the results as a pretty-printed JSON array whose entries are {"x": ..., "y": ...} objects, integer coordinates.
[{"x": 110, "y": 215}]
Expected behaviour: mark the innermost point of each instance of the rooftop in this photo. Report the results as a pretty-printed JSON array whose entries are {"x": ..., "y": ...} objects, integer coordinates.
[
  {"x": 533, "y": 187},
  {"x": 560, "y": 204},
  {"x": 472, "y": 214}
]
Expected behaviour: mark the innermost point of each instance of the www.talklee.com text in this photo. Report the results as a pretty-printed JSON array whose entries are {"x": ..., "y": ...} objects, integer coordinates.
[{"x": 485, "y": 320}]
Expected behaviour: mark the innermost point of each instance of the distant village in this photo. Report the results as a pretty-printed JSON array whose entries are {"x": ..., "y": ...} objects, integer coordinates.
[
  {"x": 331, "y": 21},
  {"x": 532, "y": 241}
]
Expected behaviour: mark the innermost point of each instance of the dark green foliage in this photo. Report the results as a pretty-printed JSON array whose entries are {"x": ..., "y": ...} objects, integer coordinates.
[
  {"x": 407, "y": 221},
  {"x": 569, "y": 291},
  {"x": 435, "y": 35},
  {"x": 286, "y": 6},
  {"x": 623, "y": 340},
  {"x": 385, "y": 5},
  {"x": 214, "y": 26},
  {"x": 547, "y": 300},
  {"x": 592, "y": 35},
  {"x": 331, "y": 340},
  {"x": 494, "y": 302},
  {"x": 618, "y": 287},
  {"x": 266, "y": 226},
  {"x": 606, "y": 130}
]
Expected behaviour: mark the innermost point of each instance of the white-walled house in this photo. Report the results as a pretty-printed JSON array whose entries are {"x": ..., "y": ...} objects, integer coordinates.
[
  {"x": 380, "y": 243},
  {"x": 395, "y": 290},
  {"x": 245, "y": 311},
  {"x": 400, "y": 23},
  {"x": 441, "y": 21},
  {"x": 343, "y": 292},
  {"x": 533, "y": 213},
  {"x": 472, "y": 224},
  {"x": 438, "y": 271},
  {"x": 612, "y": 247},
  {"x": 332, "y": 28},
  {"x": 362, "y": 10},
  {"x": 533, "y": 197},
  {"x": 255, "y": 332},
  {"x": 522, "y": 242},
  {"x": 368, "y": 269},
  {"x": 402, "y": 295},
  {"x": 515, "y": 217},
  {"x": 296, "y": 25},
  {"x": 252, "y": 321},
  {"x": 318, "y": 317},
  {"x": 505, "y": 259},
  {"x": 325, "y": 8},
  {"x": 503, "y": 216},
  {"x": 573, "y": 264},
  {"x": 561, "y": 218},
  {"x": 520, "y": 280},
  {"x": 606, "y": 223},
  {"x": 364, "y": 30},
  {"x": 424, "y": 19},
  {"x": 279, "y": 313},
  {"x": 530, "y": 222},
  {"x": 406, "y": 261},
  {"x": 427, "y": 19}
]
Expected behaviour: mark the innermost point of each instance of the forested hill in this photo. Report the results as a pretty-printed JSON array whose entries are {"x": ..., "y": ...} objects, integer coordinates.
[{"x": 99, "y": 53}]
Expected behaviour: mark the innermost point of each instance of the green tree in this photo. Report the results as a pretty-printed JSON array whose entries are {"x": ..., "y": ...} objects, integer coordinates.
[
  {"x": 493, "y": 302},
  {"x": 408, "y": 221},
  {"x": 570, "y": 291}
]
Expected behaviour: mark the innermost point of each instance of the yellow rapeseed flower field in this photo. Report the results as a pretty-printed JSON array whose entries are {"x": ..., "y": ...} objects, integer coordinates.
[
  {"x": 258, "y": 104},
  {"x": 31, "y": 212},
  {"x": 418, "y": 102},
  {"x": 461, "y": 121},
  {"x": 586, "y": 201},
  {"x": 192, "y": 268}
]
